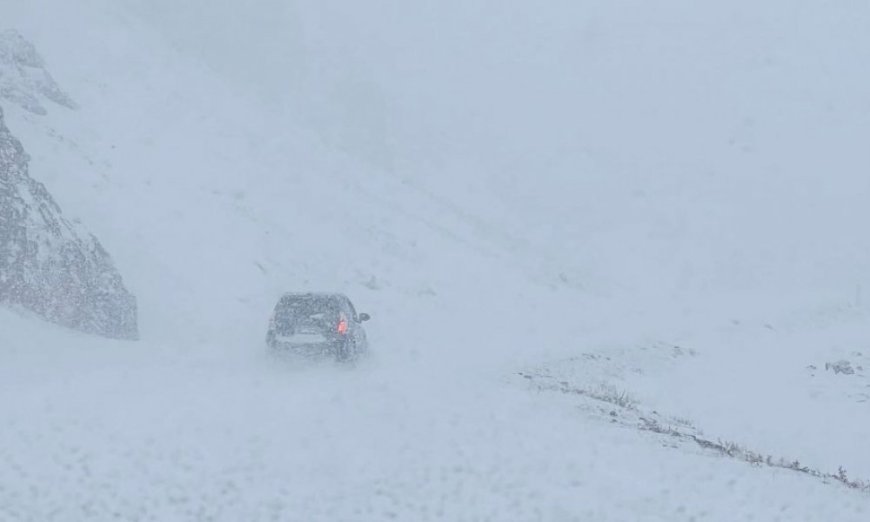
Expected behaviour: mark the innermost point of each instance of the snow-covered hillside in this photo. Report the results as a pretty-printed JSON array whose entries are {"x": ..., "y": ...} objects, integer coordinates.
[
  {"x": 50, "y": 266},
  {"x": 47, "y": 264},
  {"x": 569, "y": 191},
  {"x": 23, "y": 77}
]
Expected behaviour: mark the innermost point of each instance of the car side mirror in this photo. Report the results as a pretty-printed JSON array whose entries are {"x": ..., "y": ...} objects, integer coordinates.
[{"x": 364, "y": 317}]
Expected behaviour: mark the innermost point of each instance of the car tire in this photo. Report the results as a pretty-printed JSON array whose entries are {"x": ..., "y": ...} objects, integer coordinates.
[
  {"x": 271, "y": 342},
  {"x": 344, "y": 352}
]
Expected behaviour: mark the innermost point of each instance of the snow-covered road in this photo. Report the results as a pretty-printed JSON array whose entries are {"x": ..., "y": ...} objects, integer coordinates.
[{"x": 94, "y": 430}]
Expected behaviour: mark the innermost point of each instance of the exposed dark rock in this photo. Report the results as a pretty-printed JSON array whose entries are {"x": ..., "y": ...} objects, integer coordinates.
[
  {"x": 50, "y": 266},
  {"x": 844, "y": 367}
]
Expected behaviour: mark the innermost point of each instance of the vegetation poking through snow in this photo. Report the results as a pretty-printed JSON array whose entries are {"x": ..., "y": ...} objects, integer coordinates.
[
  {"x": 681, "y": 429},
  {"x": 739, "y": 452},
  {"x": 602, "y": 393},
  {"x": 844, "y": 367}
]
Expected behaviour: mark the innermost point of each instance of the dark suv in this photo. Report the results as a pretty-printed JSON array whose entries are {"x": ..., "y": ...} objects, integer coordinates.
[{"x": 317, "y": 325}]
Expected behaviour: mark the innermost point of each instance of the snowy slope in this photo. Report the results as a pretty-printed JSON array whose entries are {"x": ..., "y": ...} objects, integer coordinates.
[
  {"x": 47, "y": 264},
  {"x": 230, "y": 206},
  {"x": 485, "y": 236},
  {"x": 154, "y": 434}
]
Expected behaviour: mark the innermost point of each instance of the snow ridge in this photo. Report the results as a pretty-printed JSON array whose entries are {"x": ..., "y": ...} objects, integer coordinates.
[{"x": 23, "y": 78}]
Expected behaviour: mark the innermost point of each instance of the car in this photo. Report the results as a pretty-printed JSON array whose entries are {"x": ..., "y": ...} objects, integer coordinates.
[{"x": 317, "y": 325}]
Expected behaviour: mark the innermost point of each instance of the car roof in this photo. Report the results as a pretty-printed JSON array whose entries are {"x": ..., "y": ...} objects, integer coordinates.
[
  {"x": 340, "y": 299},
  {"x": 314, "y": 294},
  {"x": 334, "y": 298}
]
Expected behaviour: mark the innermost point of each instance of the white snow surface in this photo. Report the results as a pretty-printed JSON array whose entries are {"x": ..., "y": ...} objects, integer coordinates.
[{"x": 664, "y": 200}]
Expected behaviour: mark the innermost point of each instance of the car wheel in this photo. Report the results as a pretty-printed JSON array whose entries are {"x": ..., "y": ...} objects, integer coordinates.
[{"x": 344, "y": 351}]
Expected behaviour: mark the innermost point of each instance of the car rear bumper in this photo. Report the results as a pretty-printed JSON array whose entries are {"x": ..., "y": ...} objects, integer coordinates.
[{"x": 308, "y": 350}]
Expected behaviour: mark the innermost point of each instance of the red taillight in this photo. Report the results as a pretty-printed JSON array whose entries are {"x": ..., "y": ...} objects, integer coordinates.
[{"x": 342, "y": 326}]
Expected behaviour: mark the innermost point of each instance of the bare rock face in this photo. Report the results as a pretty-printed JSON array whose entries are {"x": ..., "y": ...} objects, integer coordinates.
[
  {"x": 50, "y": 266},
  {"x": 23, "y": 78}
]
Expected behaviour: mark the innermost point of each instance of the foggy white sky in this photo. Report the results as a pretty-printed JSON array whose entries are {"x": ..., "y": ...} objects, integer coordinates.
[
  {"x": 758, "y": 109},
  {"x": 714, "y": 146}
]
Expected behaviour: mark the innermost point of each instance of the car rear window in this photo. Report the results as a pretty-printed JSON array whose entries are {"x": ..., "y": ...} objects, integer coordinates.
[{"x": 320, "y": 312}]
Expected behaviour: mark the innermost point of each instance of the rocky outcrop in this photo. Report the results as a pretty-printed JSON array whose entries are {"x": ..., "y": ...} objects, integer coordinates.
[
  {"x": 23, "y": 78},
  {"x": 50, "y": 266}
]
